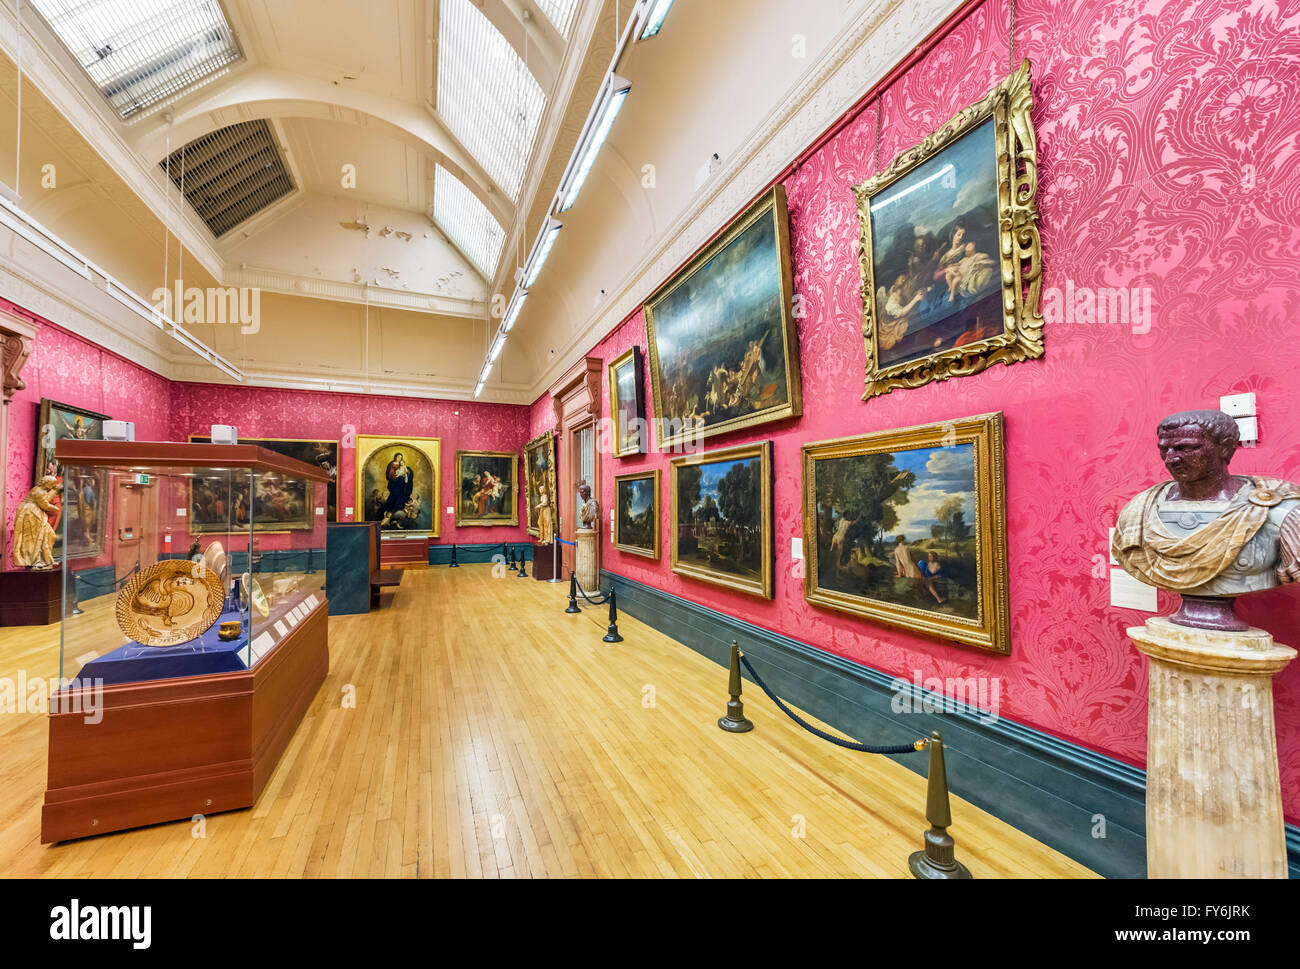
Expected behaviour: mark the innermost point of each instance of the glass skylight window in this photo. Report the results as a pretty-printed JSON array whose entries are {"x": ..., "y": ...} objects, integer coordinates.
[
  {"x": 560, "y": 14},
  {"x": 467, "y": 222},
  {"x": 487, "y": 97},
  {"x": 142, "y": 53}
]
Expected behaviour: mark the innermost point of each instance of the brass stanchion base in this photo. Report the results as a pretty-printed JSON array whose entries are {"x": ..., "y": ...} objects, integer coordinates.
[
  {"x": 735, "y": 721},
  {"x": 937, "y": 860}
]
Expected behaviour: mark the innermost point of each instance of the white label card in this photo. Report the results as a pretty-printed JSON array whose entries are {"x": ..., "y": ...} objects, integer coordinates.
[
  {"x": 796, "y": 547},
  {"x": 1127, "y": 592},
  {"x": 180, "y": 512},
  {"x": 281, "y": 628}
]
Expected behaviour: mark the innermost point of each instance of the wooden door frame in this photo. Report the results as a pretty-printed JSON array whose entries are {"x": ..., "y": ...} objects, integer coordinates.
[{"x": 576, "y": 401}]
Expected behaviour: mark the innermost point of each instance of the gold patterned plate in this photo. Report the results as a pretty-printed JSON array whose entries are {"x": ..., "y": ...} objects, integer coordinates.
[{"x": 170, "y": 603}]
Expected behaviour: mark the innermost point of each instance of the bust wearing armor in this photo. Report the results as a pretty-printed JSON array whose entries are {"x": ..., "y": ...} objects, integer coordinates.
[
  {"x": 589, "y": 512},
  {"x": 1208, "y": 534}
]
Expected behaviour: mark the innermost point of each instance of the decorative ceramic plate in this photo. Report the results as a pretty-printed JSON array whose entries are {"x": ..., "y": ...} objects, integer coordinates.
[
  {"x": 259, "y": 599},
  {"x": 214, "y": 557},
  {"x": 170, "y": 603}
]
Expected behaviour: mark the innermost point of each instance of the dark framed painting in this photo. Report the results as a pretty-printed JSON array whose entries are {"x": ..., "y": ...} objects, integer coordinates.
[
  {"x": 322, "y": 454},
  {"x": 627, "y": 404},
  {"x": 485, "y": 482},
  {"x": 539, "y": 487},
  {"x": 636, "y": 513},
  {"x": 909, "y": 527},
  {"x": 398, "y": 483},
  {"x": 720, "y": 514},
  {"x": 724, "y": 353},
  {"x": 949, "y": 248},
  {"x": 86, "y": 514}
]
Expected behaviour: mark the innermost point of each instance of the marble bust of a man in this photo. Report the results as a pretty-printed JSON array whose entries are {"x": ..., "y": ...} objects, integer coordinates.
[{"x": 1208, "y": 534}]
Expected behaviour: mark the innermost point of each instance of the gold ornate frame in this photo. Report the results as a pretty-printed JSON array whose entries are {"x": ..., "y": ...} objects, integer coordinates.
[
  {"x": 618, "y": 538},
  {"x": 634, "y": 358},
  {"x": 1009, "y": 105},
  {"x": 991, "y": 629},
  {"x": 544, "y": 440},
  {"x": 771, "y": 205},
  {"x": 463, "y": 520},
  {"x": 41, "y": 460},
  {"x": 430, "y": 447},
  {"x": 762, "y": 449},
  {"x": 267, "y": 528}
]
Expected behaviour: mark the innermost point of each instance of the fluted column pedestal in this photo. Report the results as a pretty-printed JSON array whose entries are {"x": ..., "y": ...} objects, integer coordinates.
[
  {"x": 587, "y": 566},
  {"x": 1214, "y": 796}
]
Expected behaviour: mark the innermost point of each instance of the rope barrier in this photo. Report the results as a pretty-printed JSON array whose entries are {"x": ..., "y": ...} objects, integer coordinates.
[
  {"x": 563, "y": 542},
  {"x": 583, "y": 593},
  {"x": 839, "y": 742}
]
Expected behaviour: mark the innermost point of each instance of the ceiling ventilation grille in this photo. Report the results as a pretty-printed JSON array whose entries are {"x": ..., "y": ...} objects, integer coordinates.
[{"x": 230, "y": 175}]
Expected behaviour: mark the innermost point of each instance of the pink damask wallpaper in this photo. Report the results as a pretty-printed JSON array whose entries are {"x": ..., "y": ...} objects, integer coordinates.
[
  {"x": 264, "y": 412},
  {"x": 1168, "y": 143}
]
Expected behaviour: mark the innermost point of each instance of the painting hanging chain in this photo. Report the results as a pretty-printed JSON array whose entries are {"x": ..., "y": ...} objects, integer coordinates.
[{"x": 1011, "y": 37}]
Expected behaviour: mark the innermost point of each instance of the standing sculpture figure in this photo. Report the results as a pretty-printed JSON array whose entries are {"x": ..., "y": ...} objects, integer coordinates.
[
  {"x": 586, "y": 560},
  {"x": 545, "y": 523},
  {"x": 1214, "y": 797},
  {"x": 1208, "y": 534},
  {"x": 33, "y": 545}
]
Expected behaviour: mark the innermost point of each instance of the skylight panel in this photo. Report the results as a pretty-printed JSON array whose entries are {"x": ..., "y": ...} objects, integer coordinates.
[
  {"x": 560, "y": 14},
  {"x": 143, "y": 53},
  {"x": 486, "y": 96},
  {"x": 467, "y": 222}
]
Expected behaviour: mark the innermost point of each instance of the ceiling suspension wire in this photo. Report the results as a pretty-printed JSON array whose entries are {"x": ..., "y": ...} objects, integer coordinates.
[{"x": 18, "y": 140}]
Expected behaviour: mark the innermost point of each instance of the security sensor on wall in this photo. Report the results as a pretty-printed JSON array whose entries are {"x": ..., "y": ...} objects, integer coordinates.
[
  {"x": 225, "y": 434},
  {"x": 119, "y": 430}
]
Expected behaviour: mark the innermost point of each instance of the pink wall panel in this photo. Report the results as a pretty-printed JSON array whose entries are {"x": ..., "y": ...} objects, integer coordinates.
[{"x": 1167, "y": 136}]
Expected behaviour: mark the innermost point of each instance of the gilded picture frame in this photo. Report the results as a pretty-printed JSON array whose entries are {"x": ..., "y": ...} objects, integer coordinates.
[
  {"x": 929, "y": 313},
  {"x": 627, "y": 404},
  {"x": 539, "y": 469},
  {"x": 391, "y": 505},
  {"x": 704, "y": 544},
  {"x": 868, "y": 501},
  {"x": 85, "y": 518},
  {"x": 322, "y": 452},
  {"x": 637, "y": 532},
  {"x": 721, "y": 335},
  {"x": 487, "y": 484}
]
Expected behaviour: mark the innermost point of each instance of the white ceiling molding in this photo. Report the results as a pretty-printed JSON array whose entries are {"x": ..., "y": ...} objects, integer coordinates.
[
  {"x": 74, "y": 98},
  {"x": 291, "y": 284},
  {"x": 864, "y": 54}
]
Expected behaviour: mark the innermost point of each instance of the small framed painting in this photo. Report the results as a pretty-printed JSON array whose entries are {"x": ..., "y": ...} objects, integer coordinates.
[
  {"x": 636, "y": 513},
  {"x": 485, "y": 482},
  {"x": 949, "y": 249},
  {"x": 721, "y": 517},
  {"x": 909, "y": 527},
  {"x": 627, "y": 404}
]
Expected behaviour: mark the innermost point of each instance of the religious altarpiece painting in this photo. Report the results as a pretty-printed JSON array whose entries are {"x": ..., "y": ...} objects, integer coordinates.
[
  {"x": 486, "y": 482},
  {"x": 909, "y": 527},
  {"x": 398, "y": 483},
  {"x": 949, "y": 248},
  {"x": 86, "y": 514},
  {"x": 540, "y": 487}
]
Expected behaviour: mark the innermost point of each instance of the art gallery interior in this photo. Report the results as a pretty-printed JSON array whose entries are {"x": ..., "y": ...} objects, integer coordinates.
[{"x": 650, "y": 439}]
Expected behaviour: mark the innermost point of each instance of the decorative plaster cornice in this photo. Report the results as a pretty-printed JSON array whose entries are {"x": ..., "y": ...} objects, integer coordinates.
[
  {"x": 866, "y": 52},
  {"x": 291, "y": 284}
]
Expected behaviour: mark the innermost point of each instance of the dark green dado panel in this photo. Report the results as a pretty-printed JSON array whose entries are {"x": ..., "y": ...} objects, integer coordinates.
[{"x": 1084, "y": 804}]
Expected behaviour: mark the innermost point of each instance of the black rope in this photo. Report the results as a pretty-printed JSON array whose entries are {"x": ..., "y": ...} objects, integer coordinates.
[
  {"x": 594, "y": 602},
  {"x": 838, "y": 741}
]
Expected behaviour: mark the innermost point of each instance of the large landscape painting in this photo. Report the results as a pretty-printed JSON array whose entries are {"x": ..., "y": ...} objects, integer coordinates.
[
  {"x": 909, "y": 527},
  {"x": 722, "y": 517},
  {"x": 723, "y": 349}
]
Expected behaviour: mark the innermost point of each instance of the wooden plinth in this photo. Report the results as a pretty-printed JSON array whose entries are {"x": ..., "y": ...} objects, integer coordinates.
[
  {"x": 543, "y": 570},
  {"x": 404, "y": 553},
  {"x": 30, "y": 597},
  {"x": 171, "y": 749}
]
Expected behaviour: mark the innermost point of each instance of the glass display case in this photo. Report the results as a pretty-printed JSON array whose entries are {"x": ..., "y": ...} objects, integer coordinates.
[
  {"x": 208, "y": 565},
  {"x": 192, "y": 647}
]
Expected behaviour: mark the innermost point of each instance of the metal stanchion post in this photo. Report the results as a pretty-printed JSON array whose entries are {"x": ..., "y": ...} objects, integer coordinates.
[
  {"x": 937, "y": 860},
  {"x": 611, "y": 631},
  {"x": 454, "y": 563},
  {"x": 573, "y": 593},
  {"x": 735, "y": 721}
]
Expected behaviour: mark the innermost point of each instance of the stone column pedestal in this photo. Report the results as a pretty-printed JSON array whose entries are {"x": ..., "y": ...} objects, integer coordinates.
[
  {"x": 587, "y": 566},
  {"x": 1214, "y": 796}
]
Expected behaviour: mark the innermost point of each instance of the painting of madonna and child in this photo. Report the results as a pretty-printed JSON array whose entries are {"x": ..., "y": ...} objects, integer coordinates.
[
  {"x": 934, "y": 263},
  {"x": 723, "y": 350},
  {"x": 397, "y": 483},
  {"x": 908, "y": 527},
  {"x": 487, "y": 488},
  {"x": 721, "y": 505}
]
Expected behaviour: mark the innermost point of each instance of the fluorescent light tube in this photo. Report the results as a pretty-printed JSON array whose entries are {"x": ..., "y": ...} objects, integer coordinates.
[
  {"x": 550, "y": 232},
  {"x": 498, "y": 345},
  {"x": 656, "y": 11},
  {"x": 513, "y": 310},
  {"x": 611, "y": 103}
]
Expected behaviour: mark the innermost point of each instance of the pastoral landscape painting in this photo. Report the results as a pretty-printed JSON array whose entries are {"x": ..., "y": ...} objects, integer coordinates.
[{"x": 636, "y": 513}]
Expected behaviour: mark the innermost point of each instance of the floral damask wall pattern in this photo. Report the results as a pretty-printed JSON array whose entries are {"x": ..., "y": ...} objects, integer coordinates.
[{"x": 1170, "y": 218}]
